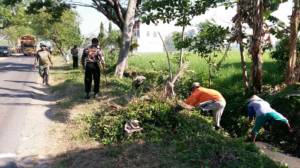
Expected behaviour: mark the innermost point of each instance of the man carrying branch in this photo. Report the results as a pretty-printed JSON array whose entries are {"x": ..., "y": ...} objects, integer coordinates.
[{"x": 91, "y": 59}]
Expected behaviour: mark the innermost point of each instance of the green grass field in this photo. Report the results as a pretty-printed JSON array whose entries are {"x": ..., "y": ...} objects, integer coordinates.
[{"x": 229, "y": 76}]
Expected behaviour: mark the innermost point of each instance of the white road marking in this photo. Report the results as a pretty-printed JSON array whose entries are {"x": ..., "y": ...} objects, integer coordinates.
[
  {"x": 7, "y": 155},
  {"x": 7, "y": 66}
]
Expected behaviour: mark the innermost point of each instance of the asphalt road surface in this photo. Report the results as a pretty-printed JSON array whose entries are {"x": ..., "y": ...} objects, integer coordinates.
[{"x": 18, "y": 86}]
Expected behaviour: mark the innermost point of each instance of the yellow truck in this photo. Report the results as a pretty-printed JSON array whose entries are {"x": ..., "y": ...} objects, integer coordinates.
[{"x": 28, "y": 45}]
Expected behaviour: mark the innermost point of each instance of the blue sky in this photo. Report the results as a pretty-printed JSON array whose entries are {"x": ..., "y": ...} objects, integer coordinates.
[{"x": 90, "y": 18}]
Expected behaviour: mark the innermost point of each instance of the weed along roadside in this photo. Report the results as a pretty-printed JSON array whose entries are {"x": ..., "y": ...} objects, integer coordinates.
[{"x": 94, "y": 129}]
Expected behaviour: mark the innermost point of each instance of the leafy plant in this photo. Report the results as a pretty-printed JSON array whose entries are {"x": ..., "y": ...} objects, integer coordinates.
[
  {"x": 281, "y": 51},
  {"x": 208, "y": 42}
]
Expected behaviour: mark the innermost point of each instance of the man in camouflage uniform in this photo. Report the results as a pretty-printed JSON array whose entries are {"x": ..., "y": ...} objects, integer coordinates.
[
  {"x": 43, "y": 58},
  {"x": 91, "y": 59}
]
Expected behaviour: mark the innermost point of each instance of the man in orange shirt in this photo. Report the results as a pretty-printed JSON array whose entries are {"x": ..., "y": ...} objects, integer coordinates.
[{"x": 207, "y": 99}]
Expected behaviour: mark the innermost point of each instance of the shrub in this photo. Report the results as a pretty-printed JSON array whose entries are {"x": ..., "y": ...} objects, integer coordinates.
[
  {"x": 185, "y": 137},
  {"x": 281, "y": 52},
  {"x": 288, "y": 104}
]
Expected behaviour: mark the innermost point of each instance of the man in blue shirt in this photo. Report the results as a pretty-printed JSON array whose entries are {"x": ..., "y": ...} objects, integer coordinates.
[{"x": 263, "y": 114}]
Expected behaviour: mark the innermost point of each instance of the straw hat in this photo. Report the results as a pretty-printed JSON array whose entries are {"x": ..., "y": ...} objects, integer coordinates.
[
  {"x": 195, "y": 85},
  {"x": 254, "y": 98}
]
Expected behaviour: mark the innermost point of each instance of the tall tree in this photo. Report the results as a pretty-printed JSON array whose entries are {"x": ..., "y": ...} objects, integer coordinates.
[
  {"x": 121, "y": 13},
  {"x": 64, "y": 34},
  {"x": 126, "y": 38},
  {"x": 254, "y": 13},
  {"x": 238, "y": 36},
  {"x": 102, "y": 35},
  {"x": 15, "y": 23},
  {"x": 256, "y": 43},
  {"x": 292, "y": 73}
]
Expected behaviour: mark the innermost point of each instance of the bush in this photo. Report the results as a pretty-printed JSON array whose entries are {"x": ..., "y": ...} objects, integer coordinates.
[
  {"x": 288, "y": 104},
  {"x": 186, "y": 137},
  {"x": 234, "y": 118},
  {"x": 281, "y": 52},
  {"x": 107, "y": 126}
]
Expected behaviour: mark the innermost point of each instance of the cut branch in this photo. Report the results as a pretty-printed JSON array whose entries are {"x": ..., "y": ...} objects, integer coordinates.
[{"x": 168, "y": 56}]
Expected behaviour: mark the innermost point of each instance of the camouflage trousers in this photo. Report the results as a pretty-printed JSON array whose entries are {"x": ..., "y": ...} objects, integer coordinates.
[{"x": 44, "y": 73}]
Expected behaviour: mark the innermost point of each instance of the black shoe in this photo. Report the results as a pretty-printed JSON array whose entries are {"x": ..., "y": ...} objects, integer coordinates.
[
  {"x": 217, "y": 127},
  {"x": 87, "y": 96}
]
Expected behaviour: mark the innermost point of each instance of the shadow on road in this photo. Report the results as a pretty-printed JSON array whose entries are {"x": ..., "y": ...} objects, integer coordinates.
[
  {"x": 12, "y": 66},
  {"x": 20, "y": 81},
  {"x": 130, "y": 155},
  {"x": 17, "y": 93}
]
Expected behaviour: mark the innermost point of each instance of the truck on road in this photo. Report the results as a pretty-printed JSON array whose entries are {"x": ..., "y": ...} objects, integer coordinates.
[{"x": 28, "y": 45}]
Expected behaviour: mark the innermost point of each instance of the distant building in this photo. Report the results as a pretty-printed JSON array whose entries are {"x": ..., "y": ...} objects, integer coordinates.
[{"x": 148, "y": 38}]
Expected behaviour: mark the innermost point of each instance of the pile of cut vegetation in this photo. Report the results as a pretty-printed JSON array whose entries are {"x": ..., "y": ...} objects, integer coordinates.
[{"x": 169, "y": 138}]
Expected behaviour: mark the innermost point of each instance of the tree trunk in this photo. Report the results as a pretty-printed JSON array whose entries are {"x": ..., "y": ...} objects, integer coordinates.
[
  {"x": 256, "y": 46},
  {"x": 168, "y": 57},
  {"x": 181, "y": 50},
  {"x": 240, "y": 42},
  {"x": 290, "y": 74},
  {"x": 126, "y": 38},
  {"x": 244, "y": 68},
  {"x": 209, "y": 71}
]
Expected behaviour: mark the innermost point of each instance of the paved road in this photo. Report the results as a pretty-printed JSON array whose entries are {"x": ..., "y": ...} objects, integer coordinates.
[
  {"x": 290, "y": 161},
  {"x": 18, "y": 86}
]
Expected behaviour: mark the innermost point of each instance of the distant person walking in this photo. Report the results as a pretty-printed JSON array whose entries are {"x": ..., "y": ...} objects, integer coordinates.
[
  {"x": 74, "y": 52},
  {"x": 208, "y": 100},
  {"x": 43, "y": 58},
  {"x": 91, "y": 59},
  {"x": 264, "y": 114}
]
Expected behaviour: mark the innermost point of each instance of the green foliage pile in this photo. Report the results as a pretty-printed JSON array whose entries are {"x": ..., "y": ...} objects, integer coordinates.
[{"x": 185, "y": 136}]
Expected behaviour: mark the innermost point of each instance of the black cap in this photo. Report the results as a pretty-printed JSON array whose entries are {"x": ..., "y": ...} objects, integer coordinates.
[{"x": 95, "y": 40}]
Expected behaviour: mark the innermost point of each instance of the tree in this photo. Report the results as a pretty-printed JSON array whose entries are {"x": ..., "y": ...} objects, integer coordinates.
[
  {"x": 121, "y": 13},
  {"x": 55, "y": 8},
  {"x": 254, "y": 13},
  {"x": 64, "y": 34},
  {"x": 102, "y": 36},
  {"x": 238, "y": 36},
  {"x": 15, "y": 22},
  {"x": 47, "y": 21},
  {"x": 210, "y": 40},
  {"x": 126, "y": 38},
  {"x": 281, "y": 52},
  {"x": 293, "y": 75},
  {"x": 109, "y": 27},
  {"x": 180, "y": 11}
]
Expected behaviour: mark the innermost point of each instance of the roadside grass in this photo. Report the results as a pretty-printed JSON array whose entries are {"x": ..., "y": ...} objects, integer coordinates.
[{"x": 169, "y": 139}]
